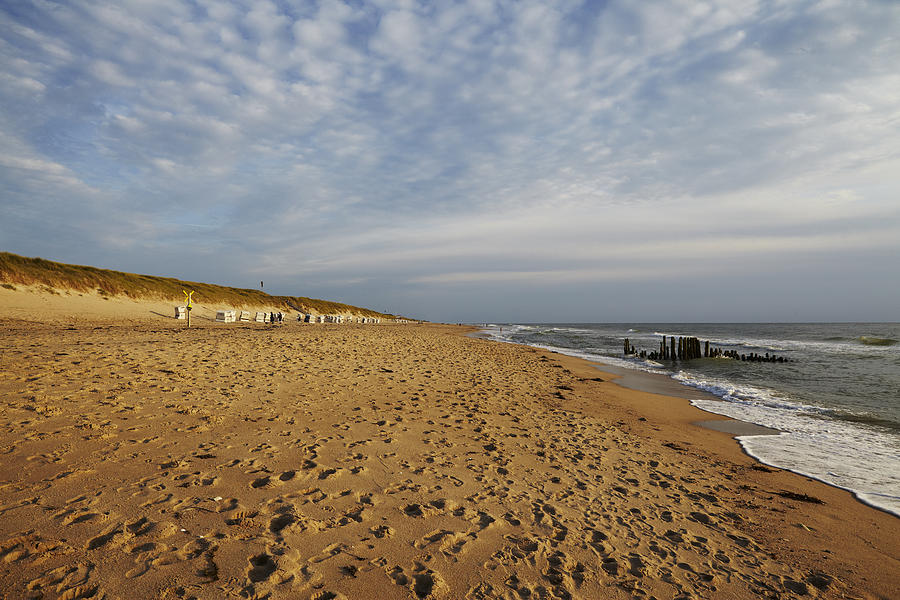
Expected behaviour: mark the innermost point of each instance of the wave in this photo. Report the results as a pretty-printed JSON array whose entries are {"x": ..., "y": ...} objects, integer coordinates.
[
  {"x": 847, "y": 452},
  {"x": 762, "y": 399},
  {"x": 738, "y": 393},
  {"x": 863, "y": 465},
  {"x": 875, "y": 341}
]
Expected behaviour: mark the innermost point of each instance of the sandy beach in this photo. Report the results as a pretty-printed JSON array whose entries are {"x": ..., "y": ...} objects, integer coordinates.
[{"x": 141, "y": 459}]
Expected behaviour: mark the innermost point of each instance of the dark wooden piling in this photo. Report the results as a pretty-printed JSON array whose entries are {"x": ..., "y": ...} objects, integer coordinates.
[{"x": 688, "y": 348}]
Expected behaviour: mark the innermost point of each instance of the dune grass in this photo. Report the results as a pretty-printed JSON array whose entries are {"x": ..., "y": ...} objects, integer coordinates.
[{"x": 53, "y": 276}]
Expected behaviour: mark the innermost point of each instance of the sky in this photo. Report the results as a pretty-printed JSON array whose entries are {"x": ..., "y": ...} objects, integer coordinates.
[{"x": 467, "y": 161}]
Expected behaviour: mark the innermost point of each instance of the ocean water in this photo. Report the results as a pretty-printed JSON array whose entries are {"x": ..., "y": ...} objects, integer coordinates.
[{"x": 836, "y": 403}]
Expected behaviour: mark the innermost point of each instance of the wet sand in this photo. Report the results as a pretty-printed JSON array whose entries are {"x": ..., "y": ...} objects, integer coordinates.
[
  {"x": 666, "y": 386},
  {"x": 144, "y": 460}
]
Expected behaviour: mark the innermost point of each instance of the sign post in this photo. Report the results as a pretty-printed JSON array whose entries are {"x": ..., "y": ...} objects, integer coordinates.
[{"x": 188, "y": 296}]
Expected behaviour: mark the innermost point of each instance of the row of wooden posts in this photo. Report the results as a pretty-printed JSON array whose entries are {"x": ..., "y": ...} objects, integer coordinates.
[{"x": 688, "y": 348}]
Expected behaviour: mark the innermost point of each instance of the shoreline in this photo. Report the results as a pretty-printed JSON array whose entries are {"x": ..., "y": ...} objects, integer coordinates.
[
  {"x": 735, "y": 428},
  {"x": 658, "y": 383},
  {"x": 688, "y": 423},
  {"x": 301, "y": 461}
]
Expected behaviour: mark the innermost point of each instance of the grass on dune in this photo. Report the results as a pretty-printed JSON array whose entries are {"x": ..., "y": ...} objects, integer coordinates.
[{"x": 53, "y": 276}]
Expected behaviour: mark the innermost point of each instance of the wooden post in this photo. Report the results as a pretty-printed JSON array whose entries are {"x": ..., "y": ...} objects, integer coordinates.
[
  {"x": 188, "y": 306},
  {"x": 672, "y": 343}
]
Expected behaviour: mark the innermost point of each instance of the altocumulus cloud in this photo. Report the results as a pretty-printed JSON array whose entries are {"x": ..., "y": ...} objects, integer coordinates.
[{"x": 467, "y": 160}]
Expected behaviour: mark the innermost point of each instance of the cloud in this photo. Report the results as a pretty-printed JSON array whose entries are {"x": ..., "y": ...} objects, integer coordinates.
[{"x": 408, "y": 144}]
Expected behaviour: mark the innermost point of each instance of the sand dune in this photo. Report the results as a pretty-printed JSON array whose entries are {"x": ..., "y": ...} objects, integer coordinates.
[{"x": 144, "y": 460}]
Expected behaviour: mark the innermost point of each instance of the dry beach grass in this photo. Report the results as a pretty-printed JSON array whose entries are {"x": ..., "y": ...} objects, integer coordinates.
[
  {"x": 144, "y": 460},
  {"x": 54, "y": 278}
]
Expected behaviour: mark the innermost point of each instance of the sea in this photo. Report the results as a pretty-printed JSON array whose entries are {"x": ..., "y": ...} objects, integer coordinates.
[{"x": 835, "y": 401}]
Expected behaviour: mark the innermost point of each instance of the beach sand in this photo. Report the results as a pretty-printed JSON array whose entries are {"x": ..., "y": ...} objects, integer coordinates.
[{"x": 141, "y": 459}]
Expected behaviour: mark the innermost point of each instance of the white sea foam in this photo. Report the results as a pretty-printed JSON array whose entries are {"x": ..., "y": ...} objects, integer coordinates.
[
  {"x": 862, "y": 465},
  {"x": 840, "y": 453}
]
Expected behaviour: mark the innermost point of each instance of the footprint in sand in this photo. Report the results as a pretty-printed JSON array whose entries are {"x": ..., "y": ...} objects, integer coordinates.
[
  {"x": 610, "y": 565},
  {"x": 425, "y": 583},
  {"x": 143, "y": 548},
  {"x": 328, "y": 596},
  {"x": 280, "y": 522},
  {"x": 261, "y": 567},
  {"x": 71, "y": 581},
  {"x": 637, "y": 566},
  {"x": 79, "y": 592},
  {"x": 382, "y": 531},
  {"x": 432, "y": 537},
  {"x": 260, "y": 482},
  {"x": 103, "y": 539}
]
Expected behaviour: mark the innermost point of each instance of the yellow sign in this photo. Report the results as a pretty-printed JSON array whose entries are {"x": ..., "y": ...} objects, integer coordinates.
[{"x": 189, "y": 299}]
